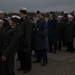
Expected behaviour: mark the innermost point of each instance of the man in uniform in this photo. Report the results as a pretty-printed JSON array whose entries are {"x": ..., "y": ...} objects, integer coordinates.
[
  {"x": 24, "y": 50},
  {"x": 70, "y": 34},
  {"x": 52, "y": 32},
  {"x": 64, "y": 19},
  {"x": 6, "y": 23},
  {"x": 2, "y": 29},
  {"x": 40, "y": 39},
  {"x": 9, "y": 45},
  {"x": 60, "y": 33}
]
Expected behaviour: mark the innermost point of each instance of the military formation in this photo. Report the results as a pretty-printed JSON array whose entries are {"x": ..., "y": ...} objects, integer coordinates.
[{"x": 26, "y": 34}]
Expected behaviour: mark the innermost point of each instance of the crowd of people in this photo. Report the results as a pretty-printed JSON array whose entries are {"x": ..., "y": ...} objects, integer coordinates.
[{"x": 25, "y": 35}]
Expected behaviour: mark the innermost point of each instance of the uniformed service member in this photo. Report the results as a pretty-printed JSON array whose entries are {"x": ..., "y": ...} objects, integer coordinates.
[
  {"x": 6, "y": 23},
  {"x": 40, "y": 40},
  {"x": 2, "y": 29},
  {"x": 24, "y": 50},
  {"x": 60, "y": 33},
  {"x": 70, "y": 34},
  {"x": 9, "y": 46},
  {"x": 52, "y": 32},
  {"x": 33, "y": 36},
  {"x": 65, "y": 20},
  {"x": 74, "y": 16}
]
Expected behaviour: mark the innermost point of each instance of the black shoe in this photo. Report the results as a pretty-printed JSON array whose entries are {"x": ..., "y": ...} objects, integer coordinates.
[
  {"x": 55, "y": 52},
  {"x": 26, "y": 71},
  {"x": 13, "y": 73},
  {"x": 17, "y": 59},
  {"x": 67, "y": 50},
  {"x": 34, "y": 55},
  {"x": 72, "y": 51},
  {"x": 44, "y": 64},
  {"x": 20, "y": 69},
  {"x": 36, "y": 61},
  {"x": 50, "y": 51},
  {"x": 59, "y": 49}
]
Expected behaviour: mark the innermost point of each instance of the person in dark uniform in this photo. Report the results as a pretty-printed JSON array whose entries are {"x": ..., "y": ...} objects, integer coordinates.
[
  {"x": 65, "y": 20},
  {"x": 25, "y": 42},
  {"x": 46, "y": 30},
  {"x": 40, "y": 40},
  {"x": 6, "y": 23},
  {"x": 60, "y": 31},
  {"x": 52, "y": 32},
  {"x": 70, "y": 33},
  {"x": 9, "y": 45},
  {"x": 74, "y": 16},
  {"x": 2, "y": 29},
  {"x": 33, "y": 36}
]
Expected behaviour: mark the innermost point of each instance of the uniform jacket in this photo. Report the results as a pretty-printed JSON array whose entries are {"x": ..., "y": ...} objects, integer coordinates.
[
  {"x": 25, "y": 41},
  {"x": 70, "y": 31},
  {"x": 52, "y": 30},
  {"x": 40, "y": 36},
  {"x": 10, "y": 41}
]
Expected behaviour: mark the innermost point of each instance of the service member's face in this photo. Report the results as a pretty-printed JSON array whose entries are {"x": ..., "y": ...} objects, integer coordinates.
[
  {"x": 1, "y": 25},
  {"x": 59, "y": 19},
  {"x": 21, "y": 14},
  {"x": 42, "y": 17},
  {"x": 14, "y": 24},
  {"x": 1, "y": 16},
  {"x": 51, "y": 15},
  {"x": 70, "y": 19},
  {"x": 38, "y": 15}
]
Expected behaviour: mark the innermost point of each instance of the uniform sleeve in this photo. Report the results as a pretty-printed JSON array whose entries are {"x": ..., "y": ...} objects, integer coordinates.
[
  {"x": 13, "y": 43},
  {"x": 6, "y": 24},
  {"x": 27, "y": 39},
  {"x": 55, "y": 27},
  {"x": 74, "y": 29}
]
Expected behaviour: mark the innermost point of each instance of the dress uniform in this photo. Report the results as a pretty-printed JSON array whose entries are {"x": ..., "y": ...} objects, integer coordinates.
[
  {"x": 52, "y": 32},
  {"x": 6, "y": 23},
  {"x": 33, "y": 35},
  {"x": 60, "y": 32},
  {"x": 9, "y": 45},
  {"x": 2, "y": 29},
  {"x": 65, "y": 20},
  {"x": 74, "y": 17},
  {"x": 70, "y": 33},
  {"x": 40, "y": 40},
  {"x": 25, "y": 42}
]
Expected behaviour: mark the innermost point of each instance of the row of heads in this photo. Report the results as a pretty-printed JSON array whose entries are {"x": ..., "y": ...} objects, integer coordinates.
[
  {"x": 59, "y": 16},
  {"x": 14, "y": 18},
  {"x": 24, "y": 10}
]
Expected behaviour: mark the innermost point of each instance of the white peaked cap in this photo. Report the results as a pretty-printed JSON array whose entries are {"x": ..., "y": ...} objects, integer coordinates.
[
  {"x": 23, "y": 8},
  {"x": 65, "y": 12},
  {"x": 70, "y": 16},
  {"x": 74, "y": 12},
  {"x": 1, "y": 12},
  {"x": 16, "y": 16},
  {"x": 1, "y": 21},
  {"x": 60, "y": 16}
]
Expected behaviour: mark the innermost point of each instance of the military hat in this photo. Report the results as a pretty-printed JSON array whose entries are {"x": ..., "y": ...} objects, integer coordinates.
[
  {"x": 65, "y": 12},
  {"x": 51, "y": 12},
  {"x": 60, "y": 16},
  {"x": 1, "y": 12},
  {"x": 1, "y": 21},
  {"x": 74, "y": 12},
  {"x": 15, "y": 18},
  {"x": 70, "y": 16},
  {"x": 23, "y": 8},
  {"x": 38, "y": 12}
]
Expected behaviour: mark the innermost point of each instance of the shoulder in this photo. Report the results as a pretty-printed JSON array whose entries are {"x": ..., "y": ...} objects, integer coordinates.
[{"x": 5, "y": 20}]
